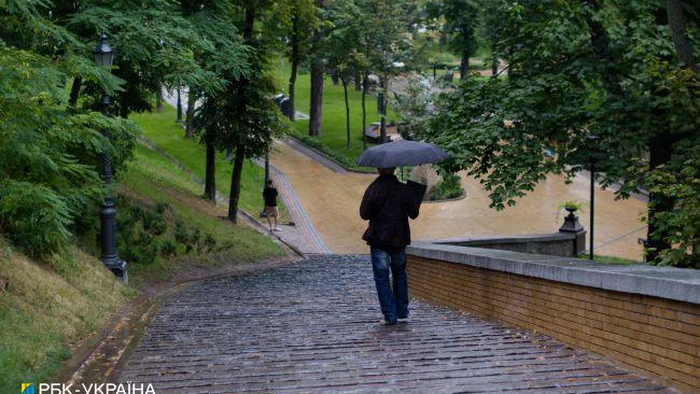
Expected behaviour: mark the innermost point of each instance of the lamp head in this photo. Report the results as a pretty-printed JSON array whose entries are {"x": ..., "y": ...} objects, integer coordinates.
[{"x": 103, "y": 53}]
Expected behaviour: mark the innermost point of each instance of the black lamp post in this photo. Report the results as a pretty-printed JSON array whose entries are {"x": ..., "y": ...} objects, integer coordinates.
[
  {"x": 104, "y": 57},
  {"x": 593, "y": 156}
]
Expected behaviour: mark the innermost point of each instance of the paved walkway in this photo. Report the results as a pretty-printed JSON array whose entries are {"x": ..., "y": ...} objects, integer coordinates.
[
  {"x": 311, "y": 327},
  {"x": 302, "y": 235},
  {"x": 332, "y": 200}
]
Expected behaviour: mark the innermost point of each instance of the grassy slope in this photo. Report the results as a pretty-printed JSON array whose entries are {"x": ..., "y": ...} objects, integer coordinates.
[
  {"x": 46, "y": 308},
  {"x": 153, "y": 179},
  {"x": 161, "y": 129}
]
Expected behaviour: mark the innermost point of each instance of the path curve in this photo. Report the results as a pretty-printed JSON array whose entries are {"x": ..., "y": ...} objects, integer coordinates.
[{"x": 332, "y": 202}]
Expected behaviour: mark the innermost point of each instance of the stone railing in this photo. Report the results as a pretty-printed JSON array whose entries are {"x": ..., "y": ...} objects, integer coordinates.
[
  {"x": 570, "y": 241},
  {"x": 645, "y": 317}
]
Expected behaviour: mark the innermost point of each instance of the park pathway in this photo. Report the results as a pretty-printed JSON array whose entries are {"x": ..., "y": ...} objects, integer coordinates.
[
  {"x": 332, "y": 199},
  {"x": 312, "y": 327}
]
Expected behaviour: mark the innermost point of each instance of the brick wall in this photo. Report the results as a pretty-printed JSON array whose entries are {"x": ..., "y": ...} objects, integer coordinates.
[{"x": 655, "y": 336}]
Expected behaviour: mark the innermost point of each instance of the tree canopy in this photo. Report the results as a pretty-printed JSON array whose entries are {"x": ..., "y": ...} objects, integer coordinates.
[{"x": 586, "y": 80}]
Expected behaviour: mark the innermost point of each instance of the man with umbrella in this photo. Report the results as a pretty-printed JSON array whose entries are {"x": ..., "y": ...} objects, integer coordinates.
[{"x": 387, "y": 204}]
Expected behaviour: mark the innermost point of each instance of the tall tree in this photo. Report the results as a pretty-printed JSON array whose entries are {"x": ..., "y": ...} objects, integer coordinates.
[
  {"x": 296, "y": 22},
  {"x": 582, "y": 69},
  {"x": 224, "y": 58},
  {"x": 344, "y": 47},
  {"x": 388, "y": 43},
  {"x": 461, "y": 21},
  {"x": 242, "y": 117},
  {"x": 317, "y": 56},
  {"x": 156, "y": 43}
]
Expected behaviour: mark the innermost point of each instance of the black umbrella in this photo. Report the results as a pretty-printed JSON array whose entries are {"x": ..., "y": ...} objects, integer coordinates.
[{"x": 401, "y": 153}]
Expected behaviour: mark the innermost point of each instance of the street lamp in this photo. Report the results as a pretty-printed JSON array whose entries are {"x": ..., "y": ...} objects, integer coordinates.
[
  {"x": 104, "y": 57},
  {"x": 593, "y": 155}
]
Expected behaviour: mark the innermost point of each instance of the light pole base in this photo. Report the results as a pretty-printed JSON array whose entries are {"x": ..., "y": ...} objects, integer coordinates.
[{"x": 118, "y": 268}]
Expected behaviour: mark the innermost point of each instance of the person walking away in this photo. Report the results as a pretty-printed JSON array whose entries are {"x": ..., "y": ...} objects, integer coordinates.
[
  {"x": 387, "y": 204},
  {"x": 271, "y": 211}
]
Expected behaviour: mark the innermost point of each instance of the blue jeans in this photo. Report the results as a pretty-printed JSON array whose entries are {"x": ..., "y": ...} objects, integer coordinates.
[{"x": 393, "y": 297}]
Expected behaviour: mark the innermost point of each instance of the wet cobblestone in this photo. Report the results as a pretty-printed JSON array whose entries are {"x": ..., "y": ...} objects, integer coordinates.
[{"x": 312, "y": 327}]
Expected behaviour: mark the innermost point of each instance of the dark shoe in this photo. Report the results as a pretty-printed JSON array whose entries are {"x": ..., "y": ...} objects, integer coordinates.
[
  {"x": 403, "y": 319},
  {"x": 386, "y": 323}
]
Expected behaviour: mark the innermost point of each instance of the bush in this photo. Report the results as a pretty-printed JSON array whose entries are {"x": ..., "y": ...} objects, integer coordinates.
[
  {"x": 35, "y": 217},
  {"x": 450, "y": 186},
  {"x": 209, "y": 244},
  {"x": 168, "y": 249}
]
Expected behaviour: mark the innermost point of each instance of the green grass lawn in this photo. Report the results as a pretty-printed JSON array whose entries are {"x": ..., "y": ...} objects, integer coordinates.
[
  {"x": 161, "y": 129},
  {"x": 334, "y": 134}
]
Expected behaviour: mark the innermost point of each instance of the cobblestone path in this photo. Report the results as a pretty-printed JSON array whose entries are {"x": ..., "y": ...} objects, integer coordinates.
[{"x": 312, "y": 327}]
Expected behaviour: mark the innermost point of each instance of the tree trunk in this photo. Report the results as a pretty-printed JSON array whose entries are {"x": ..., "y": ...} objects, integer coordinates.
[
  {"x": 357, "y": 79},
  {"x": 159, "y": 102},
  {"x": 383, "y": 85},
  {"x": 236, "y": 184},
  {"x": 660, "y": 150},
  {"x": 189, "y": 121},
  {"x": 316, "y": 105},
  {"x": 123, "y": 105},
  {"x": 75, "y": 93},
  {"x": 676, "y": 21},
  {"x": 316, "y": 98},
  {"x": 344, "y": 81},
  {"x": 334, "y": 77},
  {"x": 464, "y": 64},
  {"x": 240, "y": 107},
  {"x": 494, "y": 66},
  {"x": 364, "y": 110},
  {"x": 601, "y": 47},
  {"x": 210, "y": 174},
  {"x": 295, "y": 65}
]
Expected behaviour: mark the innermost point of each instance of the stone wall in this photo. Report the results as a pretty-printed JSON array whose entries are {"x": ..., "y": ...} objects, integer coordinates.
[
  {"x": 565, "y": 244},
  {"x": 647, "y": 318}
]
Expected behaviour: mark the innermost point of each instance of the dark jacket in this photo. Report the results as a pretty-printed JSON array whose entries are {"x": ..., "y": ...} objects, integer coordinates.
[
  {"x": 270, "y": 195},
  {"x": 388, "y": 204}
]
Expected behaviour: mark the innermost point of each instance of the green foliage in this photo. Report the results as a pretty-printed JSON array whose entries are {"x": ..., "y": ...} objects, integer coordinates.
[
  {"x": 148, "y": 233},
  {"x": 572, "y": 205},
  {"x": 49, "y": 157},
  {"x": 461, "y": 19},
  {"x": 155, "y": 45},
  {"x": 450, "y": 186},
  {"x": 575, "y": 71},
  {"x": 680, "y": 180}
]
